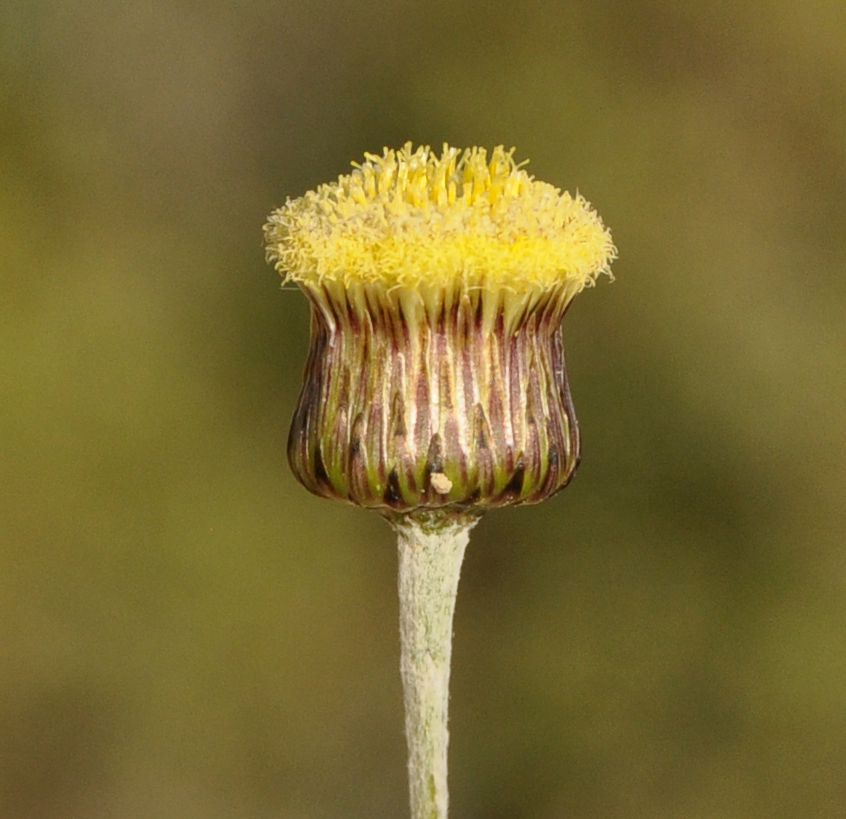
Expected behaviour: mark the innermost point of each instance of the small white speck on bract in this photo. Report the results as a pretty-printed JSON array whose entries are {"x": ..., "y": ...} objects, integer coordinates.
[{"x": 440, "y": 483}]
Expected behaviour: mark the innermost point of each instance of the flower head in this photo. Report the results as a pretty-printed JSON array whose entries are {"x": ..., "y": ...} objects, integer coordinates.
[{"x": 438, "y": 283}]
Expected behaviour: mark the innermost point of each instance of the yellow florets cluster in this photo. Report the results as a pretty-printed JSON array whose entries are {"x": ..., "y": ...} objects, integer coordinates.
[{"x": 411, "y": 217}]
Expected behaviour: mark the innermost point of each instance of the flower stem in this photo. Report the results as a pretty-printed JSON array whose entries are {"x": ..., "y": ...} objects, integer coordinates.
[{"x": 430, "y": 556}]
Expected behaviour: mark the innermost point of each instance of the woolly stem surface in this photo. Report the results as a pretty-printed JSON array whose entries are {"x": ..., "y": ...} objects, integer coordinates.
[{"x": 430, "y": 556}]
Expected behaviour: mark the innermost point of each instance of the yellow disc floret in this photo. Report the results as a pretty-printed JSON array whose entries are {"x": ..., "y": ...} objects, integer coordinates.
[{"x": 411, "y": 217}]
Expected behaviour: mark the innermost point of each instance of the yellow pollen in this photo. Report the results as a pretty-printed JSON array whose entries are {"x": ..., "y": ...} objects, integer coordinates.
[{"x": 411, "y": 217}]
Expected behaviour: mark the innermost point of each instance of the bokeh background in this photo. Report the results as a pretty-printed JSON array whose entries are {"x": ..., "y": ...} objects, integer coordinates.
[{"x": 184, "y": 632}]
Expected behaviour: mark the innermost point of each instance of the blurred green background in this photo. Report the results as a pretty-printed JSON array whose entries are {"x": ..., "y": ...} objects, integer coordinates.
[{"x": 184, "y": 632}]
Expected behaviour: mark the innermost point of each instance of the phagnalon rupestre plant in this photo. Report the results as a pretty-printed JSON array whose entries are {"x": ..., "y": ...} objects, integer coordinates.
[{"x": 435, "y": 387}]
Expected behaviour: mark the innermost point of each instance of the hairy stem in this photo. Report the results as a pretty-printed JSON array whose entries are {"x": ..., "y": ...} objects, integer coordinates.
[{"x": 430, "y": 556}]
